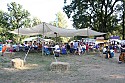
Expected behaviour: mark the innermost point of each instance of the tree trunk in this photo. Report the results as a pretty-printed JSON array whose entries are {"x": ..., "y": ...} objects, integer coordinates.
[{"x": 123, "y": 21}]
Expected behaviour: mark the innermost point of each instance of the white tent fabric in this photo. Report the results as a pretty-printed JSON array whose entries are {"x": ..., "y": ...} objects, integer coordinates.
[
  {"x": 24, "y": 31},
  {"x": 62, "y": 33},
  {"x": 49, "y": 30},
  {"x": 36, "y": 30},
  {"x": 88, "y": 32},
  {"x": 46, "y": 30}
]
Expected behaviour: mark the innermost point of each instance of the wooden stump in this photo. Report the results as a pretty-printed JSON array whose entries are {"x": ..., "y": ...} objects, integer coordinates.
[
  {"x": 17, "y": 63},
  {"x": 59, "y": 66}
]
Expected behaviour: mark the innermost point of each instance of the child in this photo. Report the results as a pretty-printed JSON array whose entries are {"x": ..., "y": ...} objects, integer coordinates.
[{"x": 4, "y": 49}]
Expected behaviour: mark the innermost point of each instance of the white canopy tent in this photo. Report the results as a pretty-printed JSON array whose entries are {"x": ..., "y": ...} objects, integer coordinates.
[
  {"x": 62, "y": 33},
  {"x": 46, "y": 30},
  {"x": 49, "y": 30},
  {"x": 87, "y": 32},
  {"x": 24, "y": 31}
]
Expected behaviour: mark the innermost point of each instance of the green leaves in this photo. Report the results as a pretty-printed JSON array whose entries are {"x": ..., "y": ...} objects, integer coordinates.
[
  {"x": 17, "y": 15},
  {"x": 95, "y": 14}
]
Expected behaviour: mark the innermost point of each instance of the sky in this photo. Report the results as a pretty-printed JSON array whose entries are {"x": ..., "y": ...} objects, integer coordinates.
[{"x": 45, "y": 10}]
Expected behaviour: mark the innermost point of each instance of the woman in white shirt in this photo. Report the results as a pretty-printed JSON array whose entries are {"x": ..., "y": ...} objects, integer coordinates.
[{"x": 57, "y": 50}]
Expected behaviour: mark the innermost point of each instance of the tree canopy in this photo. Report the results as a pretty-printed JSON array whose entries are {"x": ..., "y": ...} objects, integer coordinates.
[
  {"x": 100, "y": 15},
  {"x": 16, "y": 17}
]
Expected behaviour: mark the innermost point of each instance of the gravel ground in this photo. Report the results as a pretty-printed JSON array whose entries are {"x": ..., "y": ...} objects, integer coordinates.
[{"x": 83, "y": 69}]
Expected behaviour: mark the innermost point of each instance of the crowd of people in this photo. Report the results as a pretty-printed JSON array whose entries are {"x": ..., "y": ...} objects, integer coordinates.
[{"x": 75, "y": 48}]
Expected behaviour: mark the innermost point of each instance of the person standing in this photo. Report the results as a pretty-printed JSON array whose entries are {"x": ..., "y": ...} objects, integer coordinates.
[
  {"x": 79, "y": 49},
  {"x": 75, "y": 45},
  {"x": 4, "y": 49},
  {"x": 87, "y": 48},
  {"x": 57, "y": 50}
]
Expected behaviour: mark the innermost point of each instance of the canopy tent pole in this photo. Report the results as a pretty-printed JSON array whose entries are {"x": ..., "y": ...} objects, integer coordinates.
[
  {"x": 56, "y": 36},
  {"x": 18, "y": 36},
  {"x": 87, "y": 35},
  {"x": 26, "y": 54},
  {"x": 43, "y": 41}
]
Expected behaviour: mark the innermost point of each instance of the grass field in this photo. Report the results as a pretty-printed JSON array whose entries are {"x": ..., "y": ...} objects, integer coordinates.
[{"x": 87, "y": 68}]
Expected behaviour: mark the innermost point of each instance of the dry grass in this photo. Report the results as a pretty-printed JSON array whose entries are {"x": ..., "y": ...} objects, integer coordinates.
[{"x": 87, "y": 68}]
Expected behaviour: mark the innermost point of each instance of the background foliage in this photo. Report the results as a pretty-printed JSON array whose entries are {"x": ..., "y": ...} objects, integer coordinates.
[{"x": 101, "y": 15}]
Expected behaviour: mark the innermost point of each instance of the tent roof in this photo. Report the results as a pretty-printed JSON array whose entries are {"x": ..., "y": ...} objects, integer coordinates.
[
  {"x": 46, "y": 29},
  {"x": 49, "y": 30},
  {"x": 24, "y": 31},
  {"x": 88, "y": 32}
]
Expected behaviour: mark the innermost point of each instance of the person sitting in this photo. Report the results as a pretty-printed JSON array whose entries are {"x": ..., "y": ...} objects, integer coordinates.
[
  {"x": 71, "y": 48},
  {"x": 63, "y": 49},
  {"x": 11, "y": 49},
  {"x": 35, "y": 45},
  {"x": 46, "y": 50},
  {"x": 122, "y": 54},
  {"x": 110, "y": 52},
  {"x": 123, "y": 49},
  {"x": 68, "y": 48}
]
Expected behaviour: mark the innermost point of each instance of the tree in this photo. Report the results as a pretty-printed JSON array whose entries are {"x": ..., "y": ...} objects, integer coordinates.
[
  {"x": 18, "y": 17},
  {"x": 60, "y": 22},
  {"x": 15, "y": 18},
  {"x": 123, "y": 17},
  {"x": 4, "y": 25},
  {"x": 35, "y": 21},
  {"x": 95, "y": 14}
]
